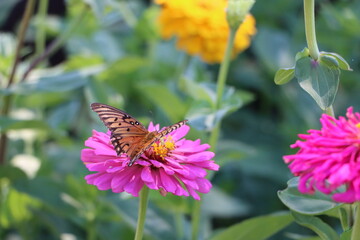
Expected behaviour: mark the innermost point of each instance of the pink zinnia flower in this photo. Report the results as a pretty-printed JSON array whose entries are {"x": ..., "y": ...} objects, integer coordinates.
[
  {"x": 174, "y": 165},
  {"x": 329, "y": 159}
]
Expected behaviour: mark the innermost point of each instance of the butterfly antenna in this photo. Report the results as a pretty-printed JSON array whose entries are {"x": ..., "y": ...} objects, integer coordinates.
[{"x": 131, "y": 162}]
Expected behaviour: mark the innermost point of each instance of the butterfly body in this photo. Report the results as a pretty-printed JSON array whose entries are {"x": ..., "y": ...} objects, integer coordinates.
[{"x": 127, "y": 134}]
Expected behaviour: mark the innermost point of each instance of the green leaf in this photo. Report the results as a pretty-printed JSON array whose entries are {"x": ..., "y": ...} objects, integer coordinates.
[
  {"x": 97, "y": 6},
  {"x": 317, "y": 225},
  {"x": 64, "y": 115},
  {"x": 234, "y": 207},
  {"x": 35, "y": 188},
  {"x": 98, "y": 91},
  {"x": 318, "y": 78},
  {"x": 7, "y": 123},
  {"x": 6, "y": 8},
  {"x": 341, "y": 61},
  {"x": 234, "y": 99},
  {"x": 164, "y": 98},
  {"x": 329, "y": 61},
  {"x": 80, "y": 190},
  {"x": 7, "y": 52},
  {"x": 310, "y": 238},
  {"x": 11, "y": 173},
  {"x": 17, "y": 207},
  {"x": 129, "y": 64},
  {"x": 317, "y": 203},
  {"x": 345, "y": 219},
  {"x": 172, "y": 203},
  {"x": 284, "y": 75},
  {"x": 57, "y": 83},
  {"x": 272, "y": 47},
  {"x": 147, "y": 27},
  {"x": 200, "y": 91},
  {"x": 123, "y": 66},
  {"x": 82, "y": 61},
  {"x": 232, "y": 150},
  {"x": 346, "y": 235},
  {"x": 256, "y": 228},
  {"x": 303, "y": 54},
  {"x": 202, "y": 114}
]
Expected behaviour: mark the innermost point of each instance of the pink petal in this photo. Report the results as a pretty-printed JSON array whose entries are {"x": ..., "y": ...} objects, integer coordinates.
[
  {"x": 180, "y": 132},
  {"x": 168, "y": 183}
]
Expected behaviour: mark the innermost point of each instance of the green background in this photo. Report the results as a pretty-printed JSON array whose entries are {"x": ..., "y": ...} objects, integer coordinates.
[{"x": 116, "y": 57}]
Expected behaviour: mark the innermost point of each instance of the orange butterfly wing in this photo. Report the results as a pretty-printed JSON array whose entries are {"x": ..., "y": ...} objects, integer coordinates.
[
  {"x": 127, "y": 134},
  {"x": 126, "y": 131}
]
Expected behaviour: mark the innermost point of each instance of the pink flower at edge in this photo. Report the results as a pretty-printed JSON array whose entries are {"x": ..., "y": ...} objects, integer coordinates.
[
  {"x": 174, "y": 165},
  {"x": 329, "y": 159}
]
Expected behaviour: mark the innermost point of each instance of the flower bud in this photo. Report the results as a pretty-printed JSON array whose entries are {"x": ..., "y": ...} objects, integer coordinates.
[{"x": 237, "y": 11}]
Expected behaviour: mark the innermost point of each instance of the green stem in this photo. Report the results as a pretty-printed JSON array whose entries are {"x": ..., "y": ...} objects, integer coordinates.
[
  {"x": 214, "y": 136},
  {"x": 309, "y": 17},
  {"x": 56, "y": 44},
  {"x": 3, "y": 138},
  {"x": 144, "y": 194},
  {"x": 40, "y": 33},
  {"x": 355, "y": 235},
  {"x": 8, "y": 98},
  {"x": 224, "y": 68},
  {"x": 179, "y": 225},
  {"x": 330, "y": 111},
  {"x": 195, "y": 220},
  {"x": 91, "y": 230},
  {"x": 22, "y": 32}
]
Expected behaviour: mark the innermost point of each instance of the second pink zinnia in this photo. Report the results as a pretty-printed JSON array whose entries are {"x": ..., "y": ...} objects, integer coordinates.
[{"x": 329, "y": 159}]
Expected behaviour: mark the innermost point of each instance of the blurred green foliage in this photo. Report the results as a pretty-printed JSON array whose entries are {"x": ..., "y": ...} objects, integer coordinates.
[{"x": 116, "y": 57}]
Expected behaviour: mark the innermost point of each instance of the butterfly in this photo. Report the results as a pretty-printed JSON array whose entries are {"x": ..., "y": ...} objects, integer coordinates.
[{"x": 127, "y": 134}]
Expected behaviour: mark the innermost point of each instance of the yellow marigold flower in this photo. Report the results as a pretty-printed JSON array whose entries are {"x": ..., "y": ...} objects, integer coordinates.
[{"x": 201, "y": 27}]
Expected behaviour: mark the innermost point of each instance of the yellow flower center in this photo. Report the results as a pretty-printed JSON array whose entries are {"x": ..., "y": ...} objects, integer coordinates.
[
  {"x": 162, "y": 148},
  {"x": 358, "y": 125}
]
